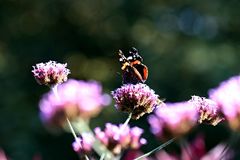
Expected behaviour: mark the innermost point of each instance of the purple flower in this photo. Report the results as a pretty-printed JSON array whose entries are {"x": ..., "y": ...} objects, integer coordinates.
[
  {"x": 137, "y": 99},
  {"x": 172, "y": 119},
  {"x": 166, "y": 156},
  {"x": 136, "y": 141},
  {"x": 197, "y": 150},
  {"x": 208, "y": 110},
  {"x": 227, "y": 96},
  {"x": 50, "y": 73},
  {"x": 76, "y": 99},
  {"x": 133, "y": 154},
  {"x": 217, "y": 153},
  {"x": 116, "y": 140},
  {"x": 84, "y": 143},
  {"x": 3, "y": 155}
]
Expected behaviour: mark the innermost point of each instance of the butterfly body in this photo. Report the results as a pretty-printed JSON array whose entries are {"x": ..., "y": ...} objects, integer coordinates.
[{"x": 133, "y": 70}]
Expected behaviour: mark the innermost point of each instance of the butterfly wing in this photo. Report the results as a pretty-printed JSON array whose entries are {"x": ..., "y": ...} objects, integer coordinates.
[{"x": 135, "y": 74}]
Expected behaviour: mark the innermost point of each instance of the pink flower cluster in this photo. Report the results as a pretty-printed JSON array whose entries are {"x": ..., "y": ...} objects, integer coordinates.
[
  {"x": 197, "y": 150},
  {"x": 117, "y": 139},
  {"x": 208, "y": 110},
  {"x": 3, "y": 155},
  {"x": 227, "y": 96},
  {"x": 85, "y": 99},
  {"x": 84, "y": 143},
  {"x": 76, "y": 98},
  {"x": 50, "y": 73},
  {"x": 137, "y": 99},
  {"x": 173, "y": 119}
]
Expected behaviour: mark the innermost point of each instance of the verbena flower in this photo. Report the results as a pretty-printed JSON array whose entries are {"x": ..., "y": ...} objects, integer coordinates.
[
  {"x": 227, "y": 96},
  {"x": 133, "y": 154},
  {"x": 137, "y": 99},
  {"x": 84, "y": 143},
  {"x": 3, "y": 155},
  {"x": 50, "y": 73},
  {"x": 76, "y": 99},
  {"x": 198, "y": 150},
  {"x": 208, "y": 110},
  {"x": 172, "y": 119},
  {"x": 117, "y": 140}
]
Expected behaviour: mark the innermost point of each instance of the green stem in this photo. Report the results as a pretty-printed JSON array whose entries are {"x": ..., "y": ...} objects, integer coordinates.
[
  {"x": 125, "y": 123},
  {"x": 55, "y": 91},
  {"x": 233, "y": 140},
  {"x": 102, "y": 156},
  {"x": 81, "y": 126},
  {"x": 72, "y": 130},
  {"x": 86, "y": 157},
  {"x": 156, "y": 149},
  {"x": 184, "y": 145}
]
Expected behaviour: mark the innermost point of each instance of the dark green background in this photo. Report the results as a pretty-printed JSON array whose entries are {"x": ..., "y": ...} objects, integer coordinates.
[{"x": 189, "y": 47}]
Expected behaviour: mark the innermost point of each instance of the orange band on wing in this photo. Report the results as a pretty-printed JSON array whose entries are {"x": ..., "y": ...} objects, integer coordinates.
[
  {"x": 145, "y": 73},
  {"x": 135, "y": 62}
]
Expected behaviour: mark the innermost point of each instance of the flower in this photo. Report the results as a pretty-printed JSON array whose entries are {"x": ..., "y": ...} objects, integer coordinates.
[
  {"x": 136, "y": 141},
  {"x": 76, "y": 98},
  {"x": 137, "y": 99},
  {"x": 166, "y": 156},
  {"x": 172, "y": 119},
  {"x": 84, "y": 143},
  {"x": 116, "y": 140},
  {"x": 219, "y": 152},
  {"x": 208, "y": 110},
  {"x": 197, "y": 150},
  {"x": 227, "y": 96},
  {"x": 133, "y": 154},
  {"x": 3, "y": 155},
  {"x": 50, "y": 73}
]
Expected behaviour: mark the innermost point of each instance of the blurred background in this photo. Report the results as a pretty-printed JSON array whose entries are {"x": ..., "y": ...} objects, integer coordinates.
[{"x": 188, "y": 46}]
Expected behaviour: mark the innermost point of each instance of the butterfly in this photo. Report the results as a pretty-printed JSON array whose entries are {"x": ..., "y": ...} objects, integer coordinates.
[{"x": 133, "y": 70}]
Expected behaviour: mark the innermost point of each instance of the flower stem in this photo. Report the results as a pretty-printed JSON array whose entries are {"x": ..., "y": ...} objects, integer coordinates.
[
  {"x": 126, "y": 123},
  {"x": 55, "y": 91},
  {"x": 81, "y": 126},
  {"x": 156, "y": 149},
  {"x": 72, "y": 130},
  {"x": 184, "y": 145},
  {"x": 233, "y": 140},
  {"x": 102, "y": 156},
  {"x": 75, "y": 136}
]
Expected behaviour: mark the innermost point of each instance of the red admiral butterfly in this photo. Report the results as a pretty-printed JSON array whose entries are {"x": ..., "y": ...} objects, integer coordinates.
[{"x": 133, "y": 71}]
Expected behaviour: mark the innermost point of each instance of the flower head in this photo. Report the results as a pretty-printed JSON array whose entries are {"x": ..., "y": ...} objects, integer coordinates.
[
  {"x": 172, "y": 119},
  {"x": 208, "y": 110},
  {"x": 84, "y": 143},
  {"x": 137, "y": 99},
  {"x": 76, "y": 98},
  {"x": 50, "y": 73},
  {"x": 227, "y": 96},
  {"x": 133, "y": 154},
  {"x": 116, "y": 140},
  {"x": 197, "y": 150},
  {"x": 3, "y": 155}
]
